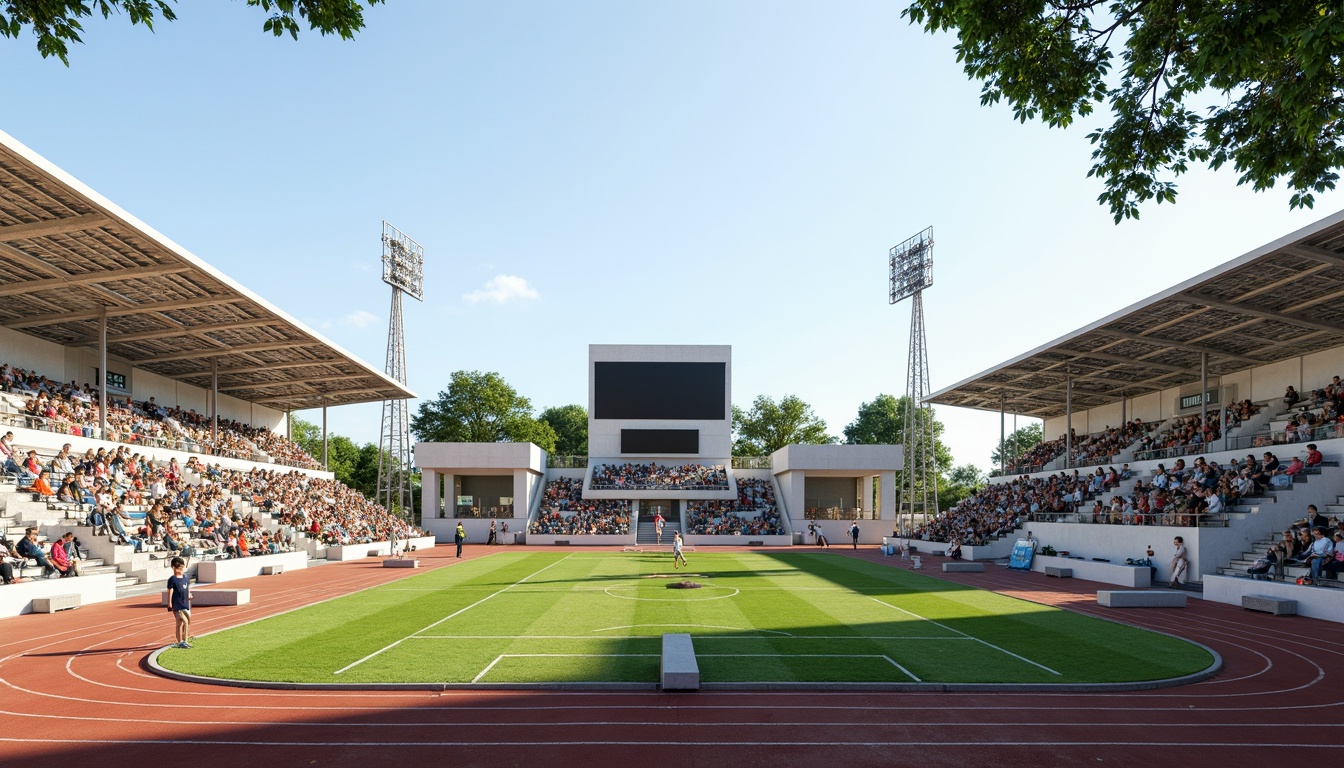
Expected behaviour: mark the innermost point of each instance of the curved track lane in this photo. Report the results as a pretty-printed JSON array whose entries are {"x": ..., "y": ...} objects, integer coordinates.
[{"x": 74, "y": 685}]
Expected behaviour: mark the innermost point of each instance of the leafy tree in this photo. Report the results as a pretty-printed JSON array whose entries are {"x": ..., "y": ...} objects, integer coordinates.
[
  {"x": 1017, "y": 443},
  {"x": 882, "y": 422},
  {"x": 570, "y": 423},
  {"x": 1256, "y": 83},
  {"x": 58, "y": 22},
  {"x": 960, "y": 483},
  {"x": 480, "y": 408},
  {"x": 769, "y": 426}
]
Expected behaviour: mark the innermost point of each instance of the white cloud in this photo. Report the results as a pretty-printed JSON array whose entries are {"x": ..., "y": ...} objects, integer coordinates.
[
  {"x": 502, "y": 289},
  {"x": 360, "y": 318}
]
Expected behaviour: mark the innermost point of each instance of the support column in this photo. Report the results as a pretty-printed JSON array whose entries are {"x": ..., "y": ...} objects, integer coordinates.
[
  {"x": 887, "y": 493},
  {"x": 289, "y": 424},
  {"x": 214, "y": 401},
  {"x": 1003, "y": 442},
  {"x": 1068, "y": 420},
  {"x": 429, "y": 495},
  {"x": 1204, "y": 396},
  {"x": 324, "y": 447},
  {"x": 102, "y": 373}
]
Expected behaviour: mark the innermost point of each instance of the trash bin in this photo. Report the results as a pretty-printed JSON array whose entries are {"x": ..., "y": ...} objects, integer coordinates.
[{"x": 797, "y": 538}]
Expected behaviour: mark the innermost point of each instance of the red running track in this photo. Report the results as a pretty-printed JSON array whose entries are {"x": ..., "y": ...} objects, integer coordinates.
[{"x": 74, "y": 688}]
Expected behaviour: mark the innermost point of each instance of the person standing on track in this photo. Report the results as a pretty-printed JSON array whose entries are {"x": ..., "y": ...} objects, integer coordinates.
[
  {"x": 459, "y": 536},
  {"x": 677, "y": 557},
  {"x": 854, "y": 533},
  {"x": 179, "y": 602},
  {"x": 658, "y": 523},
  {"x": 1179, "y": 561}
]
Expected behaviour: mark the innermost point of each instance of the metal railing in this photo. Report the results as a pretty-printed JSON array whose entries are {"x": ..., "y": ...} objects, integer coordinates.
[
  {"x": 1106, "y": 517},
  {"x": 752, "y": 462},
  {"x": 566, "y": 462}
]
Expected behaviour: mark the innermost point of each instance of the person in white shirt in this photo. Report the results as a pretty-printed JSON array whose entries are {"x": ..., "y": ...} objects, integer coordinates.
[{"x": 1215, "y": 502}]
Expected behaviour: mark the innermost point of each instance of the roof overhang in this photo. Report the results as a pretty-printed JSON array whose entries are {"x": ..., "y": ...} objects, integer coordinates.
[
  {"x": 1278, "y": 302},
  {"x": 72, "y": 257}
]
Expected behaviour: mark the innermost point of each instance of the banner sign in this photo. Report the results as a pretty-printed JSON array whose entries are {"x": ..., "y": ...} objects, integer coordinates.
[{"x": 1023, "y": 553}]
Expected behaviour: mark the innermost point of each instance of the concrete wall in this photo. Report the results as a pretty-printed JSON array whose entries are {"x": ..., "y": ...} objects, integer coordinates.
[
  {"x": 604, "y": 435},
  {"x": 1314, "y": 602}
]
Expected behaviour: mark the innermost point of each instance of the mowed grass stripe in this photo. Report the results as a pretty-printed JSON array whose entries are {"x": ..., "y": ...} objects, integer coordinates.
[{"x": 599, "y": 617}]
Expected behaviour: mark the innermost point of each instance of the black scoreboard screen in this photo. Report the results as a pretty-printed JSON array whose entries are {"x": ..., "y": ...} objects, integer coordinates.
[{"x": 680, "y": 391}]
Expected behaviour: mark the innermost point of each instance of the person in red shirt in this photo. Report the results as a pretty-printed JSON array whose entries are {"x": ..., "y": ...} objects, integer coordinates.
[{"x": 1314, "y": 456}]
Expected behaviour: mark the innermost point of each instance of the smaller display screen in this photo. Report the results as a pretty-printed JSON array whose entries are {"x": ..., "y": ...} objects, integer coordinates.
[{"x": 660, "y": 441}]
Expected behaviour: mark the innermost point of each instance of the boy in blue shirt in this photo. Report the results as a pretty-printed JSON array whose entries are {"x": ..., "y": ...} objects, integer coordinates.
[{"x": 179, "y": 601}]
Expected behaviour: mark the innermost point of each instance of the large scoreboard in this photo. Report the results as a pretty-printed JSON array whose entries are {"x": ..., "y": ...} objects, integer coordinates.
[{"x": 654, "y": 400}]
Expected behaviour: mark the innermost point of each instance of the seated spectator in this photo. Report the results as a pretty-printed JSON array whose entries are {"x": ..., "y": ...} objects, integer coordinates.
[
  {"x": 1321, "y": 551},
  {"x": 30, "y": 549},
  {"x": 1290, "y": 397},
  {"x": 42, "y": 485},
  {"x": 1314, "y": 457},
  {"x": 60, "y": 556}
]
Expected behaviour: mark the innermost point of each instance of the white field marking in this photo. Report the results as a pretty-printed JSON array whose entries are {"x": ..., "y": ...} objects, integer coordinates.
[
  {"x": 449, "y": 616},
  {"x": 811, "y": 656},
  {"x": 698, "y": 638},
  {"x": 972, "y": 637},
  {"x": 672, "y": 599},
  {"x": 491, "y": 665},
  {"x": 700, "y": 626},
  {"x": 684, "y": 742}
]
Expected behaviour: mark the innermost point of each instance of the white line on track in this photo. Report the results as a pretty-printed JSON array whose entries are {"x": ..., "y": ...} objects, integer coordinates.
[
  {"x": 449, "y": 616},
  {"x": 684, "y": 743},
  {"x": 963, "y": 634},
  {"x": 498, "y": 658}
]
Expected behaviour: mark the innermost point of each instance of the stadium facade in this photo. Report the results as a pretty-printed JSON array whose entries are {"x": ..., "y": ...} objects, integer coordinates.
[{"x": 662, "y": 409}]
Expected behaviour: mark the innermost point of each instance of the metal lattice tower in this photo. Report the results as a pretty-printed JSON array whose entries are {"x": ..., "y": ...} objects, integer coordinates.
[
  {"x": 403, "y": 269},
  {"x": 912, "y": 272}
]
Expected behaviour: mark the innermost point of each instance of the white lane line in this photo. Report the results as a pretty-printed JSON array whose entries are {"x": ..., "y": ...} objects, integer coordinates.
[
  {"x": 451, "y": 615},
  {"x": 477, "y": 678},
  {"x": 701, "y": 626},
  {"x": 813, "y": 656},
  {"x": 698, "y": 638},
  {"x": 684, "y": 742},
  {"x": 963, "y": 634}
]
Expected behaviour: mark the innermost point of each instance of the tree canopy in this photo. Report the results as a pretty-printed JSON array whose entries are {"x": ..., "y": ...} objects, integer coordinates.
[
  {"x": 769, "y": 426},
  {"x": 56, "y": 23},
  {"x": 882, "y": 422},
  {"x": 570, "y": 423},
  {"x": 480, "y": 408},
  {"x": 1258, "y": 84},
  {"x": 1017, "y": 443}
]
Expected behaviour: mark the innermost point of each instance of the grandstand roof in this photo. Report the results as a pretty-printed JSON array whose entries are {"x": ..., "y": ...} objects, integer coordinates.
[
  {"x": 70, "y": 253},
  {"x": 1277, "y": 302}
]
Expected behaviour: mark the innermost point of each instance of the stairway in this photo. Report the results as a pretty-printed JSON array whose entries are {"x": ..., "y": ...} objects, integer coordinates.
[{"x": 646, "y": 534}]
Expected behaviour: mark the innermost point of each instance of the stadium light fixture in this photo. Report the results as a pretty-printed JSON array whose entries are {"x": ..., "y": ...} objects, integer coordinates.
[
  {"x": 912, "y": 266},
  {"x": 403, "y": 263}
]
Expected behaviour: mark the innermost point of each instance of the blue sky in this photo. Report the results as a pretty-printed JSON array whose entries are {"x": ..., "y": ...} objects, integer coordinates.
[{"x": 620, "y": 172}]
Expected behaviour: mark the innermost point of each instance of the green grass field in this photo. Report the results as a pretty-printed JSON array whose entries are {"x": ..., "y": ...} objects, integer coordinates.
[{"x": 546, "y": 616}]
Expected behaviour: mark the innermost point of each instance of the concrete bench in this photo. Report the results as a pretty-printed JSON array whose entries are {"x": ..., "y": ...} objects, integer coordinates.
[
  {"x": 963, "y": 567},
  {"x": 214, "y": 597},
  {"x": 1059, "y": 573},
  {"x": 401, "y": 562},
  {"x": 679, "y": 670},
  {"x": 272, "y": 570},
  {"x": 1276, "y": 605},
  {"x": 1140, "y": 599},
  {"x": 56, "y": 603}
]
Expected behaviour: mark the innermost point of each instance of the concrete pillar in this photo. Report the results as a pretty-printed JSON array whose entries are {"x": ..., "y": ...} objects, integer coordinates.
[
  {"x": 429, "y": 494},
  {"x": 214, "y": 401},
  {"x": 1204, "y": 393},
  {"x": 887, "y": 491},
  {"x": 866, "y": 500},
  {"x": 324, "y": 442},
  {"x": 1068, "y": 421},
  {"x": 102, "y": 373}
]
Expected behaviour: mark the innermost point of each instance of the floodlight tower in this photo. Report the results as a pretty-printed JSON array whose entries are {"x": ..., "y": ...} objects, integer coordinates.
[
  {"x": 911, "y": 273},
  {"x": 404, "y": 270}
]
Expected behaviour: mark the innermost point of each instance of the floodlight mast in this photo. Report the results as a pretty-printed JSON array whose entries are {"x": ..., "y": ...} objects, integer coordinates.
[
  {"x": 911, "y": 272},
  {"x": 404, "y": 270}
]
